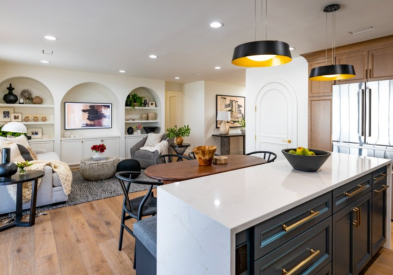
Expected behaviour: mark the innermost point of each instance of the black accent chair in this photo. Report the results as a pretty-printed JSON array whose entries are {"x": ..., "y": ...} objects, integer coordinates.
[
  {"x": 169, "y": 158},
  {"x": 138, "y": 207},
  {"x": 129, "y": 165},
  {"x": 268, "y": 156},
  {"x": 191, "y": 155}
]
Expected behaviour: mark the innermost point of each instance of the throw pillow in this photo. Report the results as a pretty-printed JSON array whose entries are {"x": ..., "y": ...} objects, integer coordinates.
[
  {"x": 153, "y": 139},
  {"x": 22, "y": 140},
  {"x": 18, "y": 151}
]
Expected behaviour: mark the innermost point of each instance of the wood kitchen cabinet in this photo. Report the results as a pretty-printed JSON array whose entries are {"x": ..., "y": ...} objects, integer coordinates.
[
  {"x": 358, "y": 60},
  {"x": 320, "y": 123},
  {"x": 380, "y": 64},
  {"x": 319, "y": 88}
]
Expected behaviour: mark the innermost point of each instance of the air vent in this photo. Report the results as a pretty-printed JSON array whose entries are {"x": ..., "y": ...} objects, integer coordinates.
[
  {"x": 47, "y": 52},
  {"x": 366, "y": 29}
]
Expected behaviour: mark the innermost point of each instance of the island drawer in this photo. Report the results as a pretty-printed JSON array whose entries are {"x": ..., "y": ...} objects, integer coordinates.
[
  {"x": 278, "y": 230},
  {"x": 379, "y": 177},
  {"x": 308, "y": 253},
  {"x": 327, "y": 270},
  {"x": 350, "y": 192}
]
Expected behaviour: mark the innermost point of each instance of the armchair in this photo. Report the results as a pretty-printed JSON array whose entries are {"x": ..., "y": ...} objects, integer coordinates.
[{"x": 146, "y": 158}]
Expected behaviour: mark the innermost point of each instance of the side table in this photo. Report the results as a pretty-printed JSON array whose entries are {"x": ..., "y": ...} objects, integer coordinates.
[
  {"x": 19, "y": 180},
  {"x": 225, "y": 143},
  {"x": 179, "y": 149},
  {"x": 98, "y": 170}
]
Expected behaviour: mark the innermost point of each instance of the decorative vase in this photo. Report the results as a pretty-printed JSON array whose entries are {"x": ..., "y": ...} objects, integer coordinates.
[
  {"x": 144, "y": 117},
  {"x": 97, "y": 154},
  {"x": 35, "y": 118},
  {"x": 130, "y": 130},
  {"x": 7, "y": 168},
  {"x": 37, "y": 100},
  {"x": 22, "y": 171},
  {"x": 136, "y": 104},
  {"x": 204, "y": 154},
  {"x": 152, "y": 116},
  {"x": 145, "y": 103},
  {"x": 179, "y": 140},
  {"x": 43, "y": 118},
  {"x": 27, "y": 118},
  {"x": 138, "y": 132},
  {"x": 10, "y": 98}
]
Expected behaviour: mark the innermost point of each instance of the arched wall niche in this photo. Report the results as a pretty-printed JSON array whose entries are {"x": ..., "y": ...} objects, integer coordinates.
[{"x": 92, "y": 92}]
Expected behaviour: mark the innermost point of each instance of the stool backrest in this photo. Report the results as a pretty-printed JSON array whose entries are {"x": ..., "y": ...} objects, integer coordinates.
[
  {"x": 170, "y": 158},
  {"x": 268, "y": 156}
]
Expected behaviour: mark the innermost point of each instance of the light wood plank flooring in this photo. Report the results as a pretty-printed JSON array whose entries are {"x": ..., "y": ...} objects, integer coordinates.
[{"x": 83, "y": 239}]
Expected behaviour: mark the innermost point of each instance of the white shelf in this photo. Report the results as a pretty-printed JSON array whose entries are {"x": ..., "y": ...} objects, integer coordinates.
[
  {"x": 27, "y": 105},
  {"x": 38, "y": 123},
  {"x": 142, "y": 121},
  {"x": 40, "y": 140},
  {"x": 143, "y": 108}
]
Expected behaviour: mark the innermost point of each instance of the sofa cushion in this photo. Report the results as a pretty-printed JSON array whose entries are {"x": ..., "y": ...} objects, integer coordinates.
[
  {"x": 18, "y": 151},
  {"x": 146, "y": 232},
  {"x": 56, "y": 180},
  {"x": 22, "y": 140},
  {"x": 48, "y": 156},
  {"x": 143, "y": 154}
]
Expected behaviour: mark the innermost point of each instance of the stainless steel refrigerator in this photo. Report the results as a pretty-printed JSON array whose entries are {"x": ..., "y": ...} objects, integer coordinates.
[{"x": 363, "y": 119}]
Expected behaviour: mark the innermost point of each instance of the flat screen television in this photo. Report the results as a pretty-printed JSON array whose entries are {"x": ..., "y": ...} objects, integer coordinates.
[{"x": 86, "y": 115}]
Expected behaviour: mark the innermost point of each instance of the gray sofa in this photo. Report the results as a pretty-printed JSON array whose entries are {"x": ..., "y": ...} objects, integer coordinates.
[
  {"x": 146, "y": 158},
  {"x": 49, "y": 192}
]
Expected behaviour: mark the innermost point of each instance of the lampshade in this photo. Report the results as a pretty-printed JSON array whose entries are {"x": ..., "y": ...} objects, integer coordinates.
[
  {"x": 332, "y": 72},
  {"x": 225, "y": 116},
  {"x": 15, "y": 127},
  {"x": 265, "y": 53}
]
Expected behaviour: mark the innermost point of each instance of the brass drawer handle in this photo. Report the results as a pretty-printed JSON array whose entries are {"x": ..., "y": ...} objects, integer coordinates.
[
  {"x": 296, "y": 224},
  {"x": 302, "y": 263},
  {"x": 358, "y": 221},
  {"x": 361, "y": 188},
  {"x": 383, "y": 189},
  {"x": 381, "y": 177}
]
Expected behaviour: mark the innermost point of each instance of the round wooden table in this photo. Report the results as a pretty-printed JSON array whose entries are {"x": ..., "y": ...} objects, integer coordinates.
[
  {"x": 17, "y": 179},
  {"x": 190, "y": 169}
]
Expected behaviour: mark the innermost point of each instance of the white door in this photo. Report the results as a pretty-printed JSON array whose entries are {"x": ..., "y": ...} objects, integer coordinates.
[
  {"x": 171, "y": 110},
  {"x": 276, "y": 119}
]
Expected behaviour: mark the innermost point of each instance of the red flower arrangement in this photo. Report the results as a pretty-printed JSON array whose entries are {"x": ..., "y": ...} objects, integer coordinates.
[{"x": 98, "y": 148}]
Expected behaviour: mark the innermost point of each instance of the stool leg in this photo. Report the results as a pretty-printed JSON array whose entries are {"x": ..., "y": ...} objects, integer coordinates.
[
  {"x": 135, "y": 256},
  {"x": 123, "y": 215}
]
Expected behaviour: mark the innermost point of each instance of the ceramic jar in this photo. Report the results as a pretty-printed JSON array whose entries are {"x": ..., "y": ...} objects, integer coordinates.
[
  {"x": 35, "y": 118},
  {"x": 144, "y": 117},
  {"x": 43, "y": 118},
  {"x": 27, "y": 118},
  {"x": 37, "y": 100},
  {"x": 152, "y": 116},
  {"x": 10, "y": 98}
]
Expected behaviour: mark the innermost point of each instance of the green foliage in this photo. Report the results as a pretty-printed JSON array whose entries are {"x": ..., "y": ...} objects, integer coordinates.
[
  {"x": 242, "y": 122},
  {"x": 135, "y": 98},
  {"x": 5, "y": 134},
  {"x": 183, "y": 131},
  {"x": 23, "y": 164}
]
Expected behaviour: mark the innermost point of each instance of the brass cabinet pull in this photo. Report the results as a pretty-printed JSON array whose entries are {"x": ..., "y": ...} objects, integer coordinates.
[
  {"x": 361, "y": 188},
  {"x": 383, "y": 175},
  {"x": 357, "y": 221},
  {"x": 296, "y": 224},
  {"x": 383, "y": 189},
  {"x": 302, "y": 263}
]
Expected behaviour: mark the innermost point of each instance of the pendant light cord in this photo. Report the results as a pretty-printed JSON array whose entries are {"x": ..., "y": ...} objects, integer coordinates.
[
  {"x": 326, "y": 39},
  {"x": 266, "y": 20},
  {"x": 255, "y": 19}
]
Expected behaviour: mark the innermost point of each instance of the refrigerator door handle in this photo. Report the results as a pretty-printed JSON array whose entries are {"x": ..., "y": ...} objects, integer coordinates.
[
  {"x": 363, "y": 113},
  {"x": 369, "y": 112}
]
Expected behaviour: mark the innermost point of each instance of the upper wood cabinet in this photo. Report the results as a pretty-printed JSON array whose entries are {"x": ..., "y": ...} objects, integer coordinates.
[
  {"x": 320, "y": 123},
  {"x": 359, "y": 61},
  {"x": 318, "y": 88},
  {"x": 380, "y": 64}
]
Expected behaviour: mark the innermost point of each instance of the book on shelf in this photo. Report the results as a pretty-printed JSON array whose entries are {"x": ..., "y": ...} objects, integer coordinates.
[{"x": 98, "y": 158}]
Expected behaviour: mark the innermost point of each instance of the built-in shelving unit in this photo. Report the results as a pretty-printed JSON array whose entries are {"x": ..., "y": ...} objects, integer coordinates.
[
  {"x": 142, "y": 108},
  {"x": 142, "y": 121},
  {"x": 27, "y": 105},
  {"x": 38, "y": 123}
]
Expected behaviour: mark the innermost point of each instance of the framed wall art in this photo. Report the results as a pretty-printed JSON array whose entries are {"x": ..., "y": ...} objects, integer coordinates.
[
  {"x": 233, "y": 104},
  {"x": 34, "y": 132},
  {"x": 16, "y": 117},
  {"x": 84, "y": 115},
  {"x": 5, "y": 114}
]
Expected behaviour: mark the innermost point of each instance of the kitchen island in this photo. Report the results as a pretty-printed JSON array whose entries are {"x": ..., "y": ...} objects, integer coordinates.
[{"x": 267, "y": 219}]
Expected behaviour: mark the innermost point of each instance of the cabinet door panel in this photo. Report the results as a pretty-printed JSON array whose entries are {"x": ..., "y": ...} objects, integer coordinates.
[
  {"x": 378, "y": 218},
  {"x": 87, "y": 144},
  {"x": 320, "y": 123},
  {"x": 47, "y": 145},
  {"x": 381, "y": 64},
  {"x": 71, "y": 151},
  {"x": 359, "y": 61},
  {"x": 112, "y": 147},
  {"x": 362, "y": 234},
  {"x": 319, "y": 88}
]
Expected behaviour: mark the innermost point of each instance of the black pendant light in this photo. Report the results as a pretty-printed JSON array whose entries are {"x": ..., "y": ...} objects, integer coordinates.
[
  {"x": 263, "y": 53},
  {"x": 332, "y": 72}
]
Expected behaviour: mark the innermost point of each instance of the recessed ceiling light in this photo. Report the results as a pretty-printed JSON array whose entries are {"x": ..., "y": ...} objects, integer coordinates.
[
  {"x": 50, "y": 37},
  {"x": 292, "y": 48},
  {"x": 45, "y": 61},
  {"x": 153, "y": 56},
  {"x": 122, "y": 71},
  {"x": 217, "y": 68},
  {"x": 177, "y": 77},
  {"x": 216, "y": 25}
]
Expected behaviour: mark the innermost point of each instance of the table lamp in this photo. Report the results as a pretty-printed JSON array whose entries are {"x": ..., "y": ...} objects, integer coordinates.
[
  {"x": 224, "y": 117},
  {"x": 15, "y": 127}
]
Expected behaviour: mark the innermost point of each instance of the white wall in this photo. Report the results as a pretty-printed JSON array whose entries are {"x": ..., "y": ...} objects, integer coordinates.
[
  {"x": 296, "y": 74},
  {"x": 211, "y": 90},
  {"x": 59, "y": 82}
]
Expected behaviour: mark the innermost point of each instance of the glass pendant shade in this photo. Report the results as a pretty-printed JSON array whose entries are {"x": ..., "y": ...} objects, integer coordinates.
[
  {"x": 265, "y": 53},
  {"x": 332, "y": 72}
]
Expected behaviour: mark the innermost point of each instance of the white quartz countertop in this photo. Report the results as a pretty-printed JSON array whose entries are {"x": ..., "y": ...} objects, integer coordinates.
[{"x": 243, "y": 198}]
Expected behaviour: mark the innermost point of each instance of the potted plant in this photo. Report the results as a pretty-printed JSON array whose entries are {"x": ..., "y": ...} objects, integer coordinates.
[
  {"x": 22, "y": 166},
  {"x": 242, "y": 123},
  {"x": 134, "y": 100},
  {"x": 178, "y": 133},
  {"x": 138, "y": 129}
]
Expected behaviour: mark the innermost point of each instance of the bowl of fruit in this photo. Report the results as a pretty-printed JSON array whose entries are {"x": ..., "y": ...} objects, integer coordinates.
[{"x": 306, "y": 160}]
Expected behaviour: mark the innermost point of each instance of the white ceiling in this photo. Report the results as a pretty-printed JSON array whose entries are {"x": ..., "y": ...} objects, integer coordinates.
[{"x": 106, "y": 36}]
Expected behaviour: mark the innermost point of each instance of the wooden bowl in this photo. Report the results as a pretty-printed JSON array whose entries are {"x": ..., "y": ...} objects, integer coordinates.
[{"x": 204, "y": 154}]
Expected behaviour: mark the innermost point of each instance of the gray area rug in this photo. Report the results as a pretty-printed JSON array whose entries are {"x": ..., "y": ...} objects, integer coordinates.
[{"x": 84, "y": 191}]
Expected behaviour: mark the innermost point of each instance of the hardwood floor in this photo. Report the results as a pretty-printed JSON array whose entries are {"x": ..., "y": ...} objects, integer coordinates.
[{"x": 83, "y": 239}]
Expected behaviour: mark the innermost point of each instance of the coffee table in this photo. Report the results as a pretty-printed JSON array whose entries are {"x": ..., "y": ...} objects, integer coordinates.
[
  {"x": 98, "y": 170},
  {"x": 19, "y": 180}
]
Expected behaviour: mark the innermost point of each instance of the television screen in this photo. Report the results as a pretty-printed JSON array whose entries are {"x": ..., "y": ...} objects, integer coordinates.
[{"x": 83, "y": 115}]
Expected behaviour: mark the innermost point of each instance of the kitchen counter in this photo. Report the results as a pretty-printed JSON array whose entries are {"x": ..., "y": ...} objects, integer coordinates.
[{"x": 198, "y": 219}]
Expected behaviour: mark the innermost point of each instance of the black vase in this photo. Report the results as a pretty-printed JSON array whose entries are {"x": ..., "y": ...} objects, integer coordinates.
[
  {"x": 10, "y": 98},
  {"x": 130, "y": 130},
  {"x": 7, "y": 168}
]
